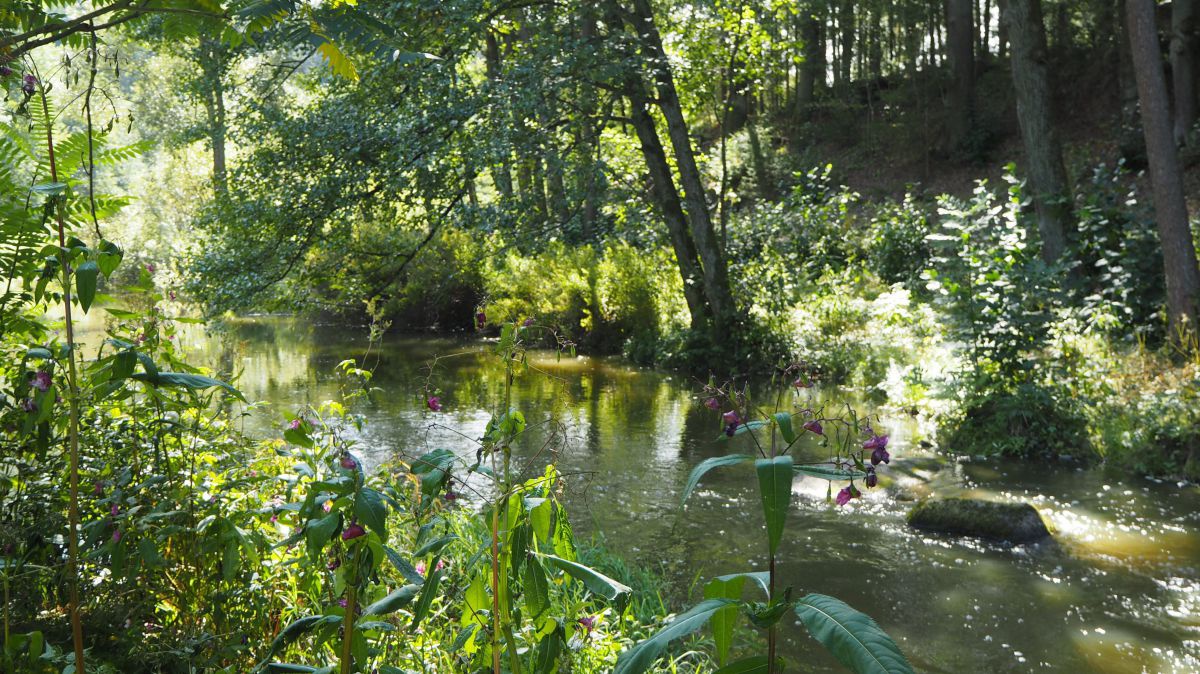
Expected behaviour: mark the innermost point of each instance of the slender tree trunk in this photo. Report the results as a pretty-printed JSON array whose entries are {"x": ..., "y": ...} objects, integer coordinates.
[
  {"x": 662, "y": 188},
  {"x": 846, "y": 55},
  {"x": 212, "y": 59},
  {"x": 875, "y": 52},
  {"x": 1170, "y": 209},
  {"x": 1043, "y": 151},
  {"x": 813, "y": 65},
  {"x": 1130, "y": 140},
  {"x": 1185, "y": 45},
  {"x": 587, "y": 177},
  {"x": 501, "y": 175},
  {"x": 960, "y": 34},
  {"x": 716, "y": 275}
]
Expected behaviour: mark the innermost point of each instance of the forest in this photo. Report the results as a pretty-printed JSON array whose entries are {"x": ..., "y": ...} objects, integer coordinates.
[{"x": 591, "y": 336}]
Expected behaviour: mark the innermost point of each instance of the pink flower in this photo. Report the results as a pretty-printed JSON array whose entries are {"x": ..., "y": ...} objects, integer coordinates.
[
  {"x": 814, "y": 426},
  {"x": 328, "y": 506},
  {"x": 713, "y": 404},
  {"x": 28, "y": 405},
  {"x": 334, "y": 564},
  {"x": 872, "y": 478},
  {"x": 421, "y": 568},
  {"x": 528, "y": 322},
  {"x": 150, "y": 267},
  {"x": 41, "y": 381},
  {"x": 731, "y": 417},
  {"x": 353, "y": 531},
  {"x": 879, "y": 453},
  {"x": 171, "y": 294},
  {"x": 480, "y": 319},
  {"x": 588, "y": 623},
  {"x": 274, "y": 519},
  {"x": 434, "y": 404},
  {"x": 115, "y": 510},
  {"x": 801, "y": 382},
  {"x": 847, "y": 493},
  {"x": 348, "y": 462},
  {"x": 294, "y": 424},
  {"x": 116, "y": 535}
]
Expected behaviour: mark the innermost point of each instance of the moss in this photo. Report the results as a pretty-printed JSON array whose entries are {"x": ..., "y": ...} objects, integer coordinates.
[{"x": 1013, "y": 522}]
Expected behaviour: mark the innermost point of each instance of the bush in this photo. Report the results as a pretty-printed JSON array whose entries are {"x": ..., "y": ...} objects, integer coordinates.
[{"x": 898, "y": 249}]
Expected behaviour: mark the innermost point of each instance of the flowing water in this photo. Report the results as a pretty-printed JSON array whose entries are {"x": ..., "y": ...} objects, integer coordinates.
[{"x": 1119, "y": 590}]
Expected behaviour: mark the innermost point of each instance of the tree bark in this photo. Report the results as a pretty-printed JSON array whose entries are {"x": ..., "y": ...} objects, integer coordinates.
[
  {"x": 716, "y": 275},
  {"x": 662, "y": 188},
  {"x": 846, "y": 53},
  {"x": 812, "y": 68},
  {"x": 1170, "y": 209},
  {"x": 1043, "y": 151},
  {"x": 213, "y": 60},
  {"x": 501, "y": 174},
  {"x": 960, "y": 35},
  {"x": 1185, "y": 43}
]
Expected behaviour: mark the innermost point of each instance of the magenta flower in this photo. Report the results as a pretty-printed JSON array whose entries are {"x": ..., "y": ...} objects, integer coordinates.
[
  {"x": 171, "y": 294},
  {"x": 5, "y": 71},
  {"x": 713, "y": 404},
  {"x": 434, "y": 404},
  {"x": 876, "y": 442},
  {"x": 450, "y": 496},
  {"x": 274, "y": 519},
  {"x": 294, "y": 424},
  {"x": 731, "y": 417},
  {"x": 343, "y": 603},
  {"x": 41, "y": 381},
  {"x": 588, "y": 623},
  {"x": 150, "y": 267},
  {"x": 98, "y": 488},
  {"x": 116, "y": 535},
  {"x": 801, "y": 382},
  {"x": 328, "y": 506},
  {"x": 814, "y": 426},
  {"x": 872, "y": 478},
  {"x": 480, "y": 319},
  {"x": 348, "y": 462},
  {"x": 334, "y": 564},
  {"x": 29, "y": 84},
  {"x": 422, "y": 568},
  {"x": 353, "y": 531},
  {"x": 847, "y": 493},
  {"x": 115, "y": 510},
  {"x": 28, "y": 405},
  {"x": 879, "y": 453},
  {"x": 528, "y": 322}
]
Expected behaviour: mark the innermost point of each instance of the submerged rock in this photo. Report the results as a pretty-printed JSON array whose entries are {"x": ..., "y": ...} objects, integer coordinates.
[{"x": 1012, "y": 522}]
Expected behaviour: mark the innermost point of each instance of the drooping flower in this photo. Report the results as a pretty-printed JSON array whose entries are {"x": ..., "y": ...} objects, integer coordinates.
[
  {"x": 450, "y": 496},
  {"x": 29, "y": 405},
  {"x": 353, "y": 531},
  {"x": 814, "y": 426},
  {"x": 116, "y": 535},
  {"x": 334, "y": 564},
  {"x": 713, "y": 403},
  {"x": 528, "y": 322},
  {"x": 434, "y": 404},
  {"x": 731, "y": 417},
  {"x": 41, "y": 381},
  {"x": 872, "y": 478},
  {"x": 294, "y": 424},
  {"x": 801, "y": 382},
  {"x": 422, "y": 568},
  {"x": 876, "y": 442},
  {"x": 343, "y": 603},
  {"x": 588, "y": 623},
  {"x": 29, "y": 84},
  {"x": 150, "y": 267},
  {"x": 846, "y": 494},
  {"x": 880, "y": 455},
  {"x": 5, "y": 71},
  {"x": 98, "y": 488},
  {"x": 480, "y": 319},
  {"x": 347, "y": 462},
  {"x": 115, "y": 510}
]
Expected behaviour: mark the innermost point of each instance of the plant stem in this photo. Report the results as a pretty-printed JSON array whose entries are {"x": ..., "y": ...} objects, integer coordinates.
[
  {"x": 771, "y": 630},
  {"x": 73, "y": 406},
  {"x": 348, "y": 620}
]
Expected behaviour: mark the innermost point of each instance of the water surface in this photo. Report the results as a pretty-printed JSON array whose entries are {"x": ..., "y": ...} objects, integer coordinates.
[{"x": 1119, "y": 591}]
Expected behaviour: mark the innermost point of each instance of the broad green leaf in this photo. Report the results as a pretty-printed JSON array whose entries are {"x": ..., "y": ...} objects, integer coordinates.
[
  {"x": 762, "y": 578},
  {"x": 775, "y": 485},
  {"x": 435, "y": 546},
  {"x": 537, "y": 590},
  {"x": 641, "y": 657},
  {"x": 318, "y": 533},
  {"x": 428, "y": 592},
  {"x": 724, "y": 619},
  {"x": 595, "y": 581},
  {"x": 784, "y": 420},
  {"x": 109, "y": 258},
  {"x": 829, "y": 472},
  {"x": 371, "y": 510},
  {"x": 395, "y": 601},
  {"x": 407, "y": 570},
  {"x": 851, "y": 636},
  {"x": 185, "y": 380},
  {"x": 707, "y": 465},
  {"x": 297, "y": 628},
  {"x": 753, "y": 665},
  {"x": 85, "y": 283}
]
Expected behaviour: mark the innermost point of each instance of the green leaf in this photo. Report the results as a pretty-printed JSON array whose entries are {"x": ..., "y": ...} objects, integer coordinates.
[
  {"x": 754, "y": 665},
  {"x": 185, "y": 380},
  {"x": 775, "y": 485},
  {"x": 371, "y": 510},
  {"x": 784, "y": 420},
  {"x": 318, "y": 533},
  {"x": 537, "y": 590},
  {"x": 109, "y": 258},
  {"x": 829, "y": 472},
  {"x": 298, "y": 628},
  {"x": 435, "y": 546},
  {"x": 407, "y": 570},
  {"x": 762, "y": 578},
  {"x": 395, "y": 601},
  {"x": 595, "y": 581},
  {"x": 641, "y": 657},
  {"x": 85, "y": 283},
  {"x": 851, "y": 636},
  {"x": 428, "y": 592},
  {"x": 50, "y": 189},
  {"x": 707, "y": 465},
  {"x": 724, "y": 619}
]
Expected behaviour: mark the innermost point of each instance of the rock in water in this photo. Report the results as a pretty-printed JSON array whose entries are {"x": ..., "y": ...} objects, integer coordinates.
[{"x": 1012, "y": 522}]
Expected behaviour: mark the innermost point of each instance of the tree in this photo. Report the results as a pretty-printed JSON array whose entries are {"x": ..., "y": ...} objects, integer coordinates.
[
  {"x": 960, "y": 38},
  {"x": 1185, "y": 45},
  {"x": 1043, "y": 152},
  {"x": 1170, "y": 209}
]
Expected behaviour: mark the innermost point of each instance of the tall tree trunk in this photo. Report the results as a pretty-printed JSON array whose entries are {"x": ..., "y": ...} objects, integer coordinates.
[
  {"x": 1185, "y": 49},
  {"x": 960, "y": 35},
  {"x": 875, "y": 52},
  {"x": 812, "y": 67},
  {"x": 666, "y": 197},
  {"x": 213, "y": 58},
  {"x": 716, "y": 275},
  {"x": 587, "y": 177},
  {"x": 983, "y": 51},
  {"x": 1043, "y": 152},
  {"x": 1170, "y": 209},
  {"x": 1131, "y": 143},
  {"x": 846, "y": 54},
  {"x": 501, "y": 174}
]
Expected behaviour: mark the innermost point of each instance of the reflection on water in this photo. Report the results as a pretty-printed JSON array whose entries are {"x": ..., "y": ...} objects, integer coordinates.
[{"x": 1119, "y": 592}]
